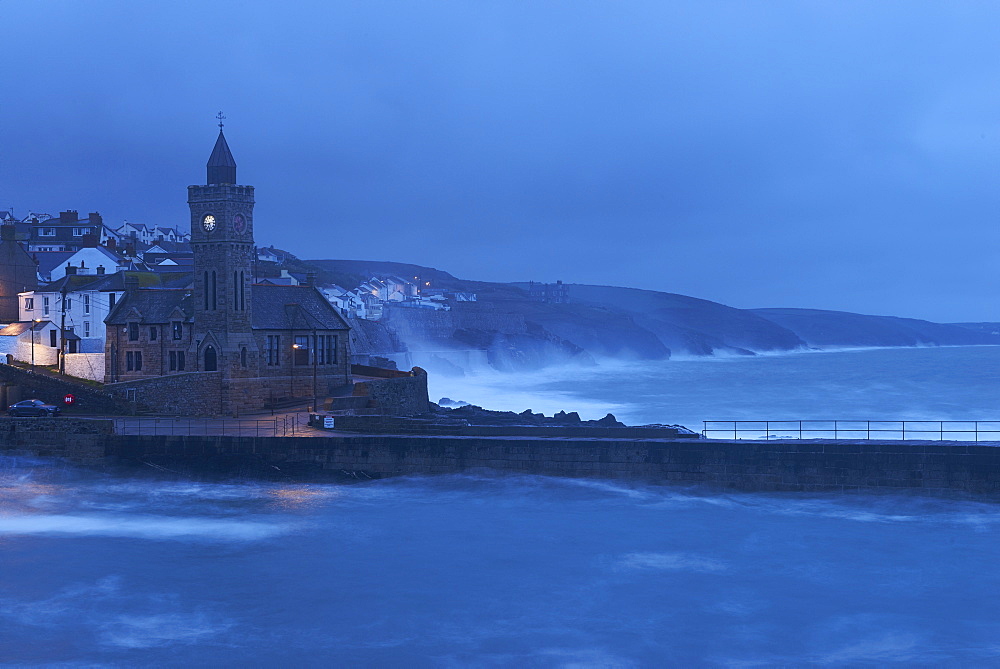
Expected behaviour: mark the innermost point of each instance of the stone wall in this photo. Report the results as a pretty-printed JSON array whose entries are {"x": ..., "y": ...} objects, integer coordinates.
[
  {"x": 788, "y": 466},
  {"x": 190, "y": 393},
  {"x": 403, "y": 396},
  {"x": 24, "y": 384},
  {"x": 85, "y": 365}
]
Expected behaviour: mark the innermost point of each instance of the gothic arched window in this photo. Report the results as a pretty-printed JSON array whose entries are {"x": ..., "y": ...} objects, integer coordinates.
[
  {"x": 243, "y": 356},
  {"x": 211, "y": 359}
]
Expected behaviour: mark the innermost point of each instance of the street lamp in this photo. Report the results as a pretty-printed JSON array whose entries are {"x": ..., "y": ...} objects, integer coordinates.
[
  {"x": 300, "y": 347},
  {"x": 33, "y": 324}
]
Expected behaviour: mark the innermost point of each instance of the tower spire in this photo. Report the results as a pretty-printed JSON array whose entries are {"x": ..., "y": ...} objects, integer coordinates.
[{"x": 221, "y": 165}]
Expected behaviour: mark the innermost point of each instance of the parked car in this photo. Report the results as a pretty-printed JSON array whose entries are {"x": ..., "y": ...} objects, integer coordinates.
[{"x": 33, "y": 408}]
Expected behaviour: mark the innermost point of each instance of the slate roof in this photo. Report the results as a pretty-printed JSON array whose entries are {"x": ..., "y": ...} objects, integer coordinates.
[
  {"x": 49, "y": 260},
  {"x": 15, "y": 329},
  {"x": 293, "y": 308},
  {"x": 154, "y": 306},
  {"x": 116, "y": 281},
  {"x": 221, "y": 155}
]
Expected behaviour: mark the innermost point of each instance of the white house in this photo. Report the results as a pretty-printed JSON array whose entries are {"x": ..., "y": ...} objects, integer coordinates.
[
  {"x": 32, "y": 342},
  {"x": 52, "y": 265}
]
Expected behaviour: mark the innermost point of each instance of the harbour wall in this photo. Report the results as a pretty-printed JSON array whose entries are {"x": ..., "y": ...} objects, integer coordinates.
[{"x": 776, "y": 466}]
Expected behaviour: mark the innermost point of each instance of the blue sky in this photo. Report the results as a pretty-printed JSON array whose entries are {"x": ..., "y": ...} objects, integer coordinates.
[{"x": 833, "y": 155}]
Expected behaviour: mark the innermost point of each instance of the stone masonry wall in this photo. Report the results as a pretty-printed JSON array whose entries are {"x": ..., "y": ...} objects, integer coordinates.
[
  {"x": 404, "y": 396},
  {"x": 85, "y": 365},
  {"x": 89, "y": 399},
  {"x": 190, "y": 393},
  {"x": 793, "y": 466}
]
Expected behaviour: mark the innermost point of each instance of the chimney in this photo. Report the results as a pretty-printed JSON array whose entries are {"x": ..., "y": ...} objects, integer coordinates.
[
  {"x": 95, "y": 218},
  {"x": 88, "y": 241},
  {"x": 131, "y": 282},
  {"x": 310, "y": 278},
  {"x": 69, "y": 216},
  {"x": 112, "y": 243},
  {"x": 130, "y": 249},
  {"x": 70, "y": 269},
  {"x": 7, "y": 232},
  {"x": 100, "y": 270}
]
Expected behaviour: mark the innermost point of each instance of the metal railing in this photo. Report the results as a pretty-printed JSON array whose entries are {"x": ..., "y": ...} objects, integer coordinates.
[
  {"x": 927, "y": 430},
  {"x": 279, "y": 426}
]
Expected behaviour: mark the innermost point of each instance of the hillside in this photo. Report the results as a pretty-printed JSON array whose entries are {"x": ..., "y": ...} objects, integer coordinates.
[
  {"x": 840, "y": 328},
  {"x": 513, "y": 331}
]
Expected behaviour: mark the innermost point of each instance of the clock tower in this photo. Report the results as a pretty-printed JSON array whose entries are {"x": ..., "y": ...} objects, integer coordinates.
[{"x": 223, "y": 246}]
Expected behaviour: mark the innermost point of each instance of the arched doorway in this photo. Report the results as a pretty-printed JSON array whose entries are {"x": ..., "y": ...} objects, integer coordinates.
[{"x": 211, "y": 360}]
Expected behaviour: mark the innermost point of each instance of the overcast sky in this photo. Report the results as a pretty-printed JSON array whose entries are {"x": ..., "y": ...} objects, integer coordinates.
[{"x": 762, "y": 154}]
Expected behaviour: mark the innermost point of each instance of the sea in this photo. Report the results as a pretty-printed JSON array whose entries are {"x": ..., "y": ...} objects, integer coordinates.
[{"x": 122, "y": 569}]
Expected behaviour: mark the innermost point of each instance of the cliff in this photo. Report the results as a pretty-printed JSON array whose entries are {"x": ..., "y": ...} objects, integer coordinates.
[
  {"x": 509, "y": 330},
  {"x": 840, "y": 328}
]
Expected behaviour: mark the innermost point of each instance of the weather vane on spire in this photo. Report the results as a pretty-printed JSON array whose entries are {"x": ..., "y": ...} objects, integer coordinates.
[{"x": 221, "y": 119}]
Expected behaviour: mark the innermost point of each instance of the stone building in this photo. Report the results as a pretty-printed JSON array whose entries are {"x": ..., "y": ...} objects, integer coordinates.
[
  {"x": 261, "y": 343},
  {"x": 18, "y": 273}
]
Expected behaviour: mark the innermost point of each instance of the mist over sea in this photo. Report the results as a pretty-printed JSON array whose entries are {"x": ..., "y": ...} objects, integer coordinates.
[
  {"x": 489, "y": 570},
  {"x": 939, "y": 383}
]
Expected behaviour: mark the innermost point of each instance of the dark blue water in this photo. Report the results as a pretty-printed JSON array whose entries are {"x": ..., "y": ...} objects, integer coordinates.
[
  {"x": 466, "y": 571},
  {"x": 104, "y": 569}
]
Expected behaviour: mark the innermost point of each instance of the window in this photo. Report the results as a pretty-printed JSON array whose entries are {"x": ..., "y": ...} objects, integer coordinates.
[
  {"x": 129, "y": 361},
  {"x": 331, "y": 349},
  {"x": 53, "y": 337},
  {"x": 152, "y": 333},
  {"x": 180, "y": 361},
  {"x": 86, "y": 304},
  {"x": 178, "y": 329},
  {"x": 273, "y": 350},
  {"x": 243, "y": 357},
  {"x": 173, "y": 361},
  {"x": 138, "y": 361},
  {"x": 29, "y": 303},
  {"x": 46, "y": 232},
  {"x": 86, "y": 328},
  {"x": 215, "y": 292},
  {"x": 300, "y": 350},
  {"x": 69, "y": 302},
  {"x": 133, "y": 331},
  {"x": 45, "y": 306}
]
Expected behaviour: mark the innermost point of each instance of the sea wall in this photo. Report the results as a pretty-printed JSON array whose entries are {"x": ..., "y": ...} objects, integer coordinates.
[{"x": 786, "y": 466}]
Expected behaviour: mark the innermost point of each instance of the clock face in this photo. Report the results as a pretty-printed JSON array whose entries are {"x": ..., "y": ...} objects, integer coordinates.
[
  {"x": 239, "y": 223},
  {"x": 208, "y": 222}
]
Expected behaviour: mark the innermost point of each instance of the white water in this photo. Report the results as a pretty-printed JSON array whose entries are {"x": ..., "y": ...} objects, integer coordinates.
[{"x": 948, "y": 383}]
